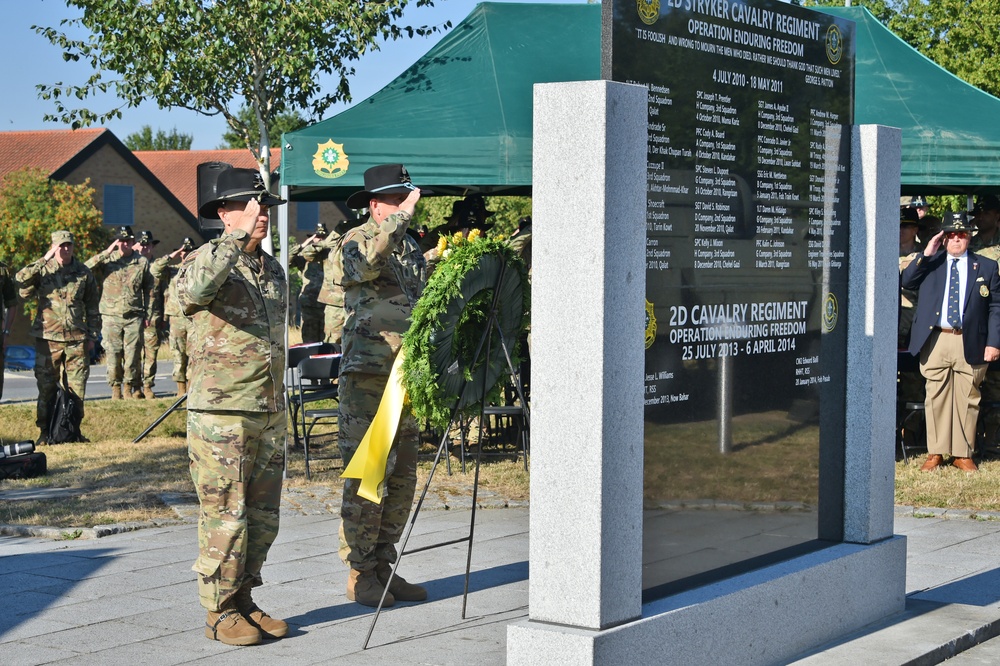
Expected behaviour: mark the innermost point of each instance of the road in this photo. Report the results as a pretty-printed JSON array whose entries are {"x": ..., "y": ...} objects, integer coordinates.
[{"x": 20, "y": 387}]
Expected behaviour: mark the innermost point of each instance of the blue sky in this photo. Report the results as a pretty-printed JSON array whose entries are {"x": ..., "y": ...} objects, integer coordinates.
[{"x": 29, "y": 59}]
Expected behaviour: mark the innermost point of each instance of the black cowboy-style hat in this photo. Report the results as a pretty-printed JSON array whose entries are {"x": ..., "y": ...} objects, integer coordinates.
[
  {"x": 188, "y": 244},
  {"x": 146, "y": 238},
  {"x": 238, "y": 185},
  {"x": 908, "y": 216},
  {"x": 383, "y": 179},
  {"x": 469, "y": 213},
  {"x": 321, "y": 230},
  {"x": 987, "y": 202},
  {"x": 956, "y": 222},
  {"x": 124, "y": 233}
]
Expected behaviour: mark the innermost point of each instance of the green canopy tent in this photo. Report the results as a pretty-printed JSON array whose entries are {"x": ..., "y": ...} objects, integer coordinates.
[
  {"x": 460, "y": 117},
  {"x": 951, "y": 142}
]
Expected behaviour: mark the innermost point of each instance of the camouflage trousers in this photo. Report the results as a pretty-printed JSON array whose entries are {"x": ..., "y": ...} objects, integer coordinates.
[
  {"x": 333, "y": 324},
  {"x": 236, "y": 463},
  {"x": 52, "y": 359},
  {"x": 150, "y": 348},
  {"x": 178, "y": 345},
  {"x": 312, "y": 323},
  {"x": 123, "y": 349},
  {"x": 368, "y": 531}
]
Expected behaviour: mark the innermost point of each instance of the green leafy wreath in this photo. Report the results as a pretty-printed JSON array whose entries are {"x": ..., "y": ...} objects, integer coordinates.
[{"x": 448, "y": 324}]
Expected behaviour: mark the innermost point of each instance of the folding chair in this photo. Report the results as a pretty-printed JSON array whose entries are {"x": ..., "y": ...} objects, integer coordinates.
[
  {"x": 300, "y": 393},
  {"x": 319, "y": 370}
]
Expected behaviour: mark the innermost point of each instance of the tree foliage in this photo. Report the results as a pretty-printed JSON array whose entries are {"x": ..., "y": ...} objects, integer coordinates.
[
  {"x": 32, "y": 207},
  {"x": 215, "y": 56},
  {"x": 144, "y": 139},
  {"x": 289, "y": 121},
  {"x": 962, "y": 36}
]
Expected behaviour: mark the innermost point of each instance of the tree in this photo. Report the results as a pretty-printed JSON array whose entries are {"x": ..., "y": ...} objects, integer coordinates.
[
  {"x": 213, "y": 56},
  {"x": 144, "y": 140},
  {"x": 962, "y": 36},
  {"x": 32, "y": 207},
  {"x": 288, "y": 121}
]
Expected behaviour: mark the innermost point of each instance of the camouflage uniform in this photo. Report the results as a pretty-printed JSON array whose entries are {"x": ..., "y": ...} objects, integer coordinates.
[
  {"x": 125, "y": 304},
  {"x": 382, "y": 279},
  {"x": 152, "y": 335},
  {"x": 177, "y": 323},
  {"x": 331, "y": 293},
  {"x": 8, "y": 297},
  {"x": 68, "y": 316},
  {"x": 236, "y": 408},
  {"x": 309, "y": 260}
]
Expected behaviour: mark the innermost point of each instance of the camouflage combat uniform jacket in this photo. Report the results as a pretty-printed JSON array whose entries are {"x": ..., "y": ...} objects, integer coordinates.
[
  {"x": 237, "y": 307},
  {"x": 127, "y": 285},
  {"x": 68, "y": 300},
  {"x": 311, "y": 264},
  {"x": 383, "y": 273}
]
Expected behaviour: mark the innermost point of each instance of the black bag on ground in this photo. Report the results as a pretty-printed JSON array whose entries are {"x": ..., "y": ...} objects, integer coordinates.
[
  {"x": 67, "y": 413},
  {"x": 24, "y": 466}
]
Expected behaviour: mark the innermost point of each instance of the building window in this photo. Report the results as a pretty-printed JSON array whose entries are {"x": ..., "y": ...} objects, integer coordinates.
[
  {"x": 306, "y": 215},
  {"x": 119, "y": 205}
]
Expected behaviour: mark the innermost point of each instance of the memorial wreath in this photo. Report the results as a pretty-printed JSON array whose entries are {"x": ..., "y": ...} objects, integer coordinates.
[{"x": 441, "y": 369}]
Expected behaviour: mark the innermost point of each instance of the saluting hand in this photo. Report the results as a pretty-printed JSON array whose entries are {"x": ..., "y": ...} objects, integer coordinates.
[
  {"x": 410, "y": 202},
  {"x": 934, "y": 244}
]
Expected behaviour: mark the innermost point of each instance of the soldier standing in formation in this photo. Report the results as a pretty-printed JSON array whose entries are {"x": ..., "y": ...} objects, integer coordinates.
[
  {"x": 381, "y": 267},
  {"x": 309, "y": 260},
  {"x": 66, "y": 325},
  {"x": 176, "y": 321},
  {"x": 125, "y": 307},
  {"x": 155, "y": 328},
  {"x": 234, "y": 294},
  {"x": 8, "y": 297}
]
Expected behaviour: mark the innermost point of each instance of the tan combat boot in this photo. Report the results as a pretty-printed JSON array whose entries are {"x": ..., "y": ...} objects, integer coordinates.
[
  {"x": 137, "y": 393},
  {"x": 399, "y": 588},
  {"x": 269, "y": 627},
  {"x": 182, "y": 389},
  {"x": 116, "y": 392},
  {"x": 127, "y": 391},
  {"x": 363, "y": 587},
  {"x": 230, "y": 627},
  {"x": 147, "y": 392}
]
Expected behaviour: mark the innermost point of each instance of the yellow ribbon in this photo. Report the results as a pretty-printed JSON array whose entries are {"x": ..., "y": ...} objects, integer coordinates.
[{"x": 369, "y": 461}]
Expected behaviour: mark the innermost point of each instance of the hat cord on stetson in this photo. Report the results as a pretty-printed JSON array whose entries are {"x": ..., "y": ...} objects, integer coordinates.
[
  {"x": 247, "y": 193},
  {"x": 408, "y": 186}
]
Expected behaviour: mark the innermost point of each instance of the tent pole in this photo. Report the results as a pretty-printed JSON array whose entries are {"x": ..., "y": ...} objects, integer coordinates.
[{"x": 283, "y": 245}]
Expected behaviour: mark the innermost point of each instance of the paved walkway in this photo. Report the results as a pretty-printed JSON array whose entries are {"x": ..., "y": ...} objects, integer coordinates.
[{"x": 130, "y": 597}]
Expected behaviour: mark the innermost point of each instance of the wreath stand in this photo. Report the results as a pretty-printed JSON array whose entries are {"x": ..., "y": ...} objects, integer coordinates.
[{"x": 492, "y": 325}]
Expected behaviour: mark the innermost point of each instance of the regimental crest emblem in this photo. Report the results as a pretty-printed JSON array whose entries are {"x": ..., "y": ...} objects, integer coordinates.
[
  {"x": 330, "y": 160},
  {"x": 650, "y": 325},
  {"x": 834, "y": 44},
  {"x": 830, "y": 313},
  {"x": 649, "y": 10},
  {"x": 984, "y": 291}
]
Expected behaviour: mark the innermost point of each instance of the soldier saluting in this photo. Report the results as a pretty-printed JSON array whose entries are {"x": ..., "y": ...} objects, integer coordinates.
[
  {"x": 66, "y": 326},
  {"x": 234, "y": 294}
]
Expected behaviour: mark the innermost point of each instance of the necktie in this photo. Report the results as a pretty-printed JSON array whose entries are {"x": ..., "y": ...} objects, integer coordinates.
[{"x": 954, "y": 316}]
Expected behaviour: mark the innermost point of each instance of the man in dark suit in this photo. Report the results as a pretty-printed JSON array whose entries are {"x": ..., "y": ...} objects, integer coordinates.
[{"x": 956, "y": 332}]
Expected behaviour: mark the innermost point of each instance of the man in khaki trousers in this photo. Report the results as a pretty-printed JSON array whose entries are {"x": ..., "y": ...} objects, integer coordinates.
[{"x": 956, "y": 332}]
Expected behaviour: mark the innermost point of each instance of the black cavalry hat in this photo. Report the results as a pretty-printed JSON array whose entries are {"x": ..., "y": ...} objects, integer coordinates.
[
  {"x": 383, "y": 179},
  {"x": 146, "y": 238},
  {"x": 124, "y": 233},
  {"x": 238, "y": 185},
  {"x": 956, "y": 222}
]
